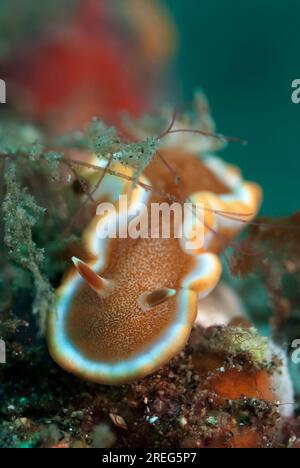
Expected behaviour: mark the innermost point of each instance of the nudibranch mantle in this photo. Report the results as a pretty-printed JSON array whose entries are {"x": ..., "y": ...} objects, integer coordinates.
[
  {"x": 199, "y": 275},
  {"x": 129, "y": 305}
]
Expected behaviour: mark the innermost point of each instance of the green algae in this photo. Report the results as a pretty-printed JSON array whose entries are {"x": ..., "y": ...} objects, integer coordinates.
[{"x": 235, "y": 341}]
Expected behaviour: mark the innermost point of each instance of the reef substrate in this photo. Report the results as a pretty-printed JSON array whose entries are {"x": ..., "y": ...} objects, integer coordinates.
[{"x": 187, "y": 403}]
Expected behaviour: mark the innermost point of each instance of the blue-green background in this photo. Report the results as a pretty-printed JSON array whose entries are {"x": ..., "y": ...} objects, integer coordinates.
[{"x": 245, "y": 54}]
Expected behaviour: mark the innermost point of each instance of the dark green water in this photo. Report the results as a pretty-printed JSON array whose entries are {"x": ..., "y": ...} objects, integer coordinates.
[{"x": 245, "y": 54}]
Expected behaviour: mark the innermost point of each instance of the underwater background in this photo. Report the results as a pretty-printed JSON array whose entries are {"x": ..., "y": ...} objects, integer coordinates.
[{"x": 245, "y": 56}]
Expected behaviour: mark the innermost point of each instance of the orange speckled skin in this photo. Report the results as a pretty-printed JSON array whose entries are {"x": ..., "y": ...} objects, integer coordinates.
[
  {"x": 194, "y": 175},
  {"x": 136, "y": 266},
  {"x": 111, "y": 327}
]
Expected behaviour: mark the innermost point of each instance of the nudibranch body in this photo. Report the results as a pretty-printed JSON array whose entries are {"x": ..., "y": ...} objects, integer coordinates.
[{"x": 129, "y": 306}]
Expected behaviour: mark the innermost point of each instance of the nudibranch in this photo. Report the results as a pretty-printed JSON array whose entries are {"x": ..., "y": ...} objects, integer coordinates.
[{"x": 128, "y": 306}]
